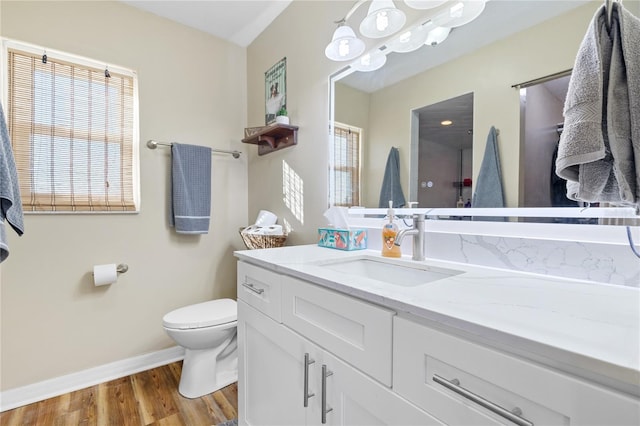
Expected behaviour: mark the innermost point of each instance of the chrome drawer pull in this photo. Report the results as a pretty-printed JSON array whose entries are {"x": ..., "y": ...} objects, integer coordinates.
[
  {"x": 325, "y": 373},
  {"x": 307, "y": 362},
  {"x": 252, "y": 288},
  {"x": 454, "y": 385}
]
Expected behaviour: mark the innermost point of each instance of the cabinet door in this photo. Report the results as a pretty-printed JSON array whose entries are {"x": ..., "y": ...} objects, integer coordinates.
[
  {"x": 270, "y": 371},
  {"x": 357, "y": 400}
]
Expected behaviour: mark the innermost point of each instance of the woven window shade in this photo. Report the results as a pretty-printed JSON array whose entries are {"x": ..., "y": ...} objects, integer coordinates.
[
  {"x": 72, "y": 135},
  {"x": 346, "y": 167}
]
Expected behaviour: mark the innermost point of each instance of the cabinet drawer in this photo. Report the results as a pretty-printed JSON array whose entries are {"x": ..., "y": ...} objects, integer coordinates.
[
  {"x": 464, "y": 383},
  {"x": 356, "y": 331},
  {"x": 260, "y": 288}
]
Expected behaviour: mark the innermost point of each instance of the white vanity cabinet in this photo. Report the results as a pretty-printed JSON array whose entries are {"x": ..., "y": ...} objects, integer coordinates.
[
  {"x": 464, "y": 383},
  {"x": 278, "y": 367}
]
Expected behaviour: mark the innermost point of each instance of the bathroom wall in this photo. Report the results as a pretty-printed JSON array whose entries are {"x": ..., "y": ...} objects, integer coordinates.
[
  {"x": 301, "y": 34},
  {"x": 192, "y": 90}
]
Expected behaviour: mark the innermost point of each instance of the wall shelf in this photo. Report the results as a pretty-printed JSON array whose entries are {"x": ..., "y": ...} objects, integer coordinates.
[{"x": 271, "y": 138}]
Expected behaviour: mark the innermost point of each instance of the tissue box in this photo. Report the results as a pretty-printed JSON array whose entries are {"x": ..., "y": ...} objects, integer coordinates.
[{"x": 342, "y": 239}]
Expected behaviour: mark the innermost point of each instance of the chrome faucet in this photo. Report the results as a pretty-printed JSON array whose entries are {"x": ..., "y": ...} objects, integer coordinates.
[{"x": 417, "y": 232}]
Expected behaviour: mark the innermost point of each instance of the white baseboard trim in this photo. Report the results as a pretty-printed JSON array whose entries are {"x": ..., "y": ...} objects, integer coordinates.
[{"x": 24, "y": 395}]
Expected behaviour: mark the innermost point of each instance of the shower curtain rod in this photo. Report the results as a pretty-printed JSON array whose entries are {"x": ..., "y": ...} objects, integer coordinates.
[
  {"x": 151, "y": 144},
  {"x": 549, "y": 77}
]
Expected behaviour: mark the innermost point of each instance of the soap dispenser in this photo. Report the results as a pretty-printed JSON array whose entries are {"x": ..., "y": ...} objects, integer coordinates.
[{"x": 389, "y": 234}]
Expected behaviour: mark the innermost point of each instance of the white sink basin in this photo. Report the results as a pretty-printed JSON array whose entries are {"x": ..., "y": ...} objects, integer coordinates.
[{"x": 390, "y": 272}]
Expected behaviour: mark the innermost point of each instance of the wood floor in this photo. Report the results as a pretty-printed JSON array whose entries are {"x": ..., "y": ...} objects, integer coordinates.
[{"x": 147, "y": 398}]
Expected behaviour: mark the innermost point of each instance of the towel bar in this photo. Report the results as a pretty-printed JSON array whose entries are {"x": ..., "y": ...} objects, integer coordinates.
[{"x": 151, "y": 144}]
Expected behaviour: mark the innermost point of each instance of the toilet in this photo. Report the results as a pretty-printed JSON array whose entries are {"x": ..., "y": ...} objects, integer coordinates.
[{"x": 207, "y": 332}]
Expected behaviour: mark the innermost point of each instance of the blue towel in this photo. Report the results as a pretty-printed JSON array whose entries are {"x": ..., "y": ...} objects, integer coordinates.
[
  {"x": 489, "y": 192},
  {"x": 391, "y": 188},
  {"x": 190, "y": 188},
  {"x": 10, "y": 202}
]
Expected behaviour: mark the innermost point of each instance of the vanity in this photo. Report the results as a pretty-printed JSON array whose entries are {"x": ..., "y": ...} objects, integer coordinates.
[{"x": 351, "y": 338}]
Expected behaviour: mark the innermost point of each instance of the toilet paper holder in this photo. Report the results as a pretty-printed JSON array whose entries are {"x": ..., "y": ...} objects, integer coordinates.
[{"x": 121, "y": 268}]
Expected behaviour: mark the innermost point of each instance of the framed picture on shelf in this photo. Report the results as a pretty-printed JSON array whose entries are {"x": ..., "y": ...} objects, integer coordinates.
[{"x": 275, "y": 85}]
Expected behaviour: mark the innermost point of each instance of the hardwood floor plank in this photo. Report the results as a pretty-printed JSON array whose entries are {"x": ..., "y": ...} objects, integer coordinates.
[{"x": 146, "y": 398}]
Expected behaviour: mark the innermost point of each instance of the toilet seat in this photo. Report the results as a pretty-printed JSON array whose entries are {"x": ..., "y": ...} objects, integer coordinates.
[{"x": 200, "y": 315}]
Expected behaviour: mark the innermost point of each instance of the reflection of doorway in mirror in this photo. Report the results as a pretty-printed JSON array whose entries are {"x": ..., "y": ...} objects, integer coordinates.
[
  {"x": 444, "y": 152},
  {"x": 542, "y": 119}
]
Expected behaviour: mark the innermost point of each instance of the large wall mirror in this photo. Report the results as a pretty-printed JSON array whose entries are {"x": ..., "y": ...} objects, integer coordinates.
[{"x": 473, "y": 77}]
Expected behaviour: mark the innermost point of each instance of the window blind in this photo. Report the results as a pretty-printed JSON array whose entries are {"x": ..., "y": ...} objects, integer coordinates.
[
  {"x": 72, "y": 133},
  {"x": 346, "y": 166}
]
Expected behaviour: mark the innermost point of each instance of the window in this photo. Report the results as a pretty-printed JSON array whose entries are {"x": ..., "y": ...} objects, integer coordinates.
[
  {"x": 344, "y": 176},
  {"x": 73, "y": 130}
]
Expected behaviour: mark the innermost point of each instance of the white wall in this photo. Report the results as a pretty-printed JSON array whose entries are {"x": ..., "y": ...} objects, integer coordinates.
[
  {"x": 301, "y": 34},
  {"x": 192, "y": 90}
]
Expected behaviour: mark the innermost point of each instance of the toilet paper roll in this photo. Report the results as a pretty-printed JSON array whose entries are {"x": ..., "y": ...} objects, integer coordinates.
[
  {"x": 273, "y": 230},
  {"x": 105, "y": 274}
]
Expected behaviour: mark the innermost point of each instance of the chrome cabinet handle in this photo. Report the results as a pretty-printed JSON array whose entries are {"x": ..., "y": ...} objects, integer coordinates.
[
  {"x": 307, "y": 362},
  {"x": 252, "y": 288},
  {"x": 325, "y": 373},
  {"x": 454, "y": 385}
]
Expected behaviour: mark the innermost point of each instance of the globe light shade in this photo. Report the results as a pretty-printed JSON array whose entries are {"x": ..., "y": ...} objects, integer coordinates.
[
  {"x": 344, "y": 45},
  {"x": 370, "y": 61},
  {"x": 462, "y": 12},
  {"x": 410, "y": 40},
  {"x": 437, "y": 36},
  {"x": 382, "y": 20},
  {"x": 424, "y": 4}
]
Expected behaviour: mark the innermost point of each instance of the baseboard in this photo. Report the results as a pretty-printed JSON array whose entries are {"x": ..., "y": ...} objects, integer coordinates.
[{"x": 24, "y": 395}]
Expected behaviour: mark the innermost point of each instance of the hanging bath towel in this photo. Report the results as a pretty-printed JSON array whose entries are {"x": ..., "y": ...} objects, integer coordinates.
[
  {"x": 489, "y": 192},
  {"x": 10, "y": 202},
  {"x": 190, "y": 188},
  {"x": 600, "y": 145},
  {"x": 391, "y": 188}
]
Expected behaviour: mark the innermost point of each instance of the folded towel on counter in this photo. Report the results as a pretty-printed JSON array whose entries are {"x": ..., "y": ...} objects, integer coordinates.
[
  {"x": 489, "y": 191},
  {"x": 10, "y": 201},
  {"x": 600, "y": 146},
  {"x": 391, "y": 188},
  {"x": 190, "y": 188}
]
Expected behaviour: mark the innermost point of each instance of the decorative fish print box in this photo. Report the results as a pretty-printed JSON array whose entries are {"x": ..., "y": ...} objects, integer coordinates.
[{"x": 342, "y": 239}]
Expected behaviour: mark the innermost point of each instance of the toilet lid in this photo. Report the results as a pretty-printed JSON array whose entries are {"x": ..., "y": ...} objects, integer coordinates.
[{"x": 206, "y": 314}]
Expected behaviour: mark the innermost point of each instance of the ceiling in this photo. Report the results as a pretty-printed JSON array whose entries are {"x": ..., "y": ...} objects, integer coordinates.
[{"x": 237, "y": 21}]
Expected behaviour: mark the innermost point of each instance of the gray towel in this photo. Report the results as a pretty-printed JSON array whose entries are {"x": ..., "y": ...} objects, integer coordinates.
[
  {"x": 488, "y": 191},
  {"x": 623, "y": 104},
  {"x": 600, "y": 142},
  {"x": 391, "y": 189},
  {"x": 10, "y": 202},
  {"x": 190, "y": 188}
]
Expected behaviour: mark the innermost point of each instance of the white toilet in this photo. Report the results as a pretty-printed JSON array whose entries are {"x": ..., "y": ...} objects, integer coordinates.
[{"x": 207, "y": 331}]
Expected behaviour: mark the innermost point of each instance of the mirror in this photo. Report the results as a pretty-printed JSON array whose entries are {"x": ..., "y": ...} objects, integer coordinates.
[{"x": 510, "y": 43}]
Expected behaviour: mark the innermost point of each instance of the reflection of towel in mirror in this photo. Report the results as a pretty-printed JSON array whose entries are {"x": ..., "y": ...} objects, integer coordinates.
[
  {"x": 489, "y": 192},
  {"x": 601, "y": 138},
  {"x": 10, "y": 202},
  {"x": 190, "y": 188},
  {"x": 391, "y": 188}
]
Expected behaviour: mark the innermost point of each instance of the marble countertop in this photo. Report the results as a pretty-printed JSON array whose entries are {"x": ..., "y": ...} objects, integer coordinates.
[{"x": 584, "y": 328}]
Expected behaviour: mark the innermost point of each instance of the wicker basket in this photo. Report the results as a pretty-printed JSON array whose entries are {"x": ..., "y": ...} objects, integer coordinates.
[{"x": 255, "y": 241}]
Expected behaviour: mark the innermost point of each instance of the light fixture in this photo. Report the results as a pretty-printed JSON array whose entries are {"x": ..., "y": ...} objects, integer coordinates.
[
  {"x": 370, "y": 61},
  {"x": 446, "y": 122},
  {"x": 424, "y": 4},
  {"x": 344, "y": 45},
  {"x": 410, "y": 40},
  {"x": 463, "y": 12},
  {"x": 382, "y": 20},
  {"x": 437, "y": 36}
]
